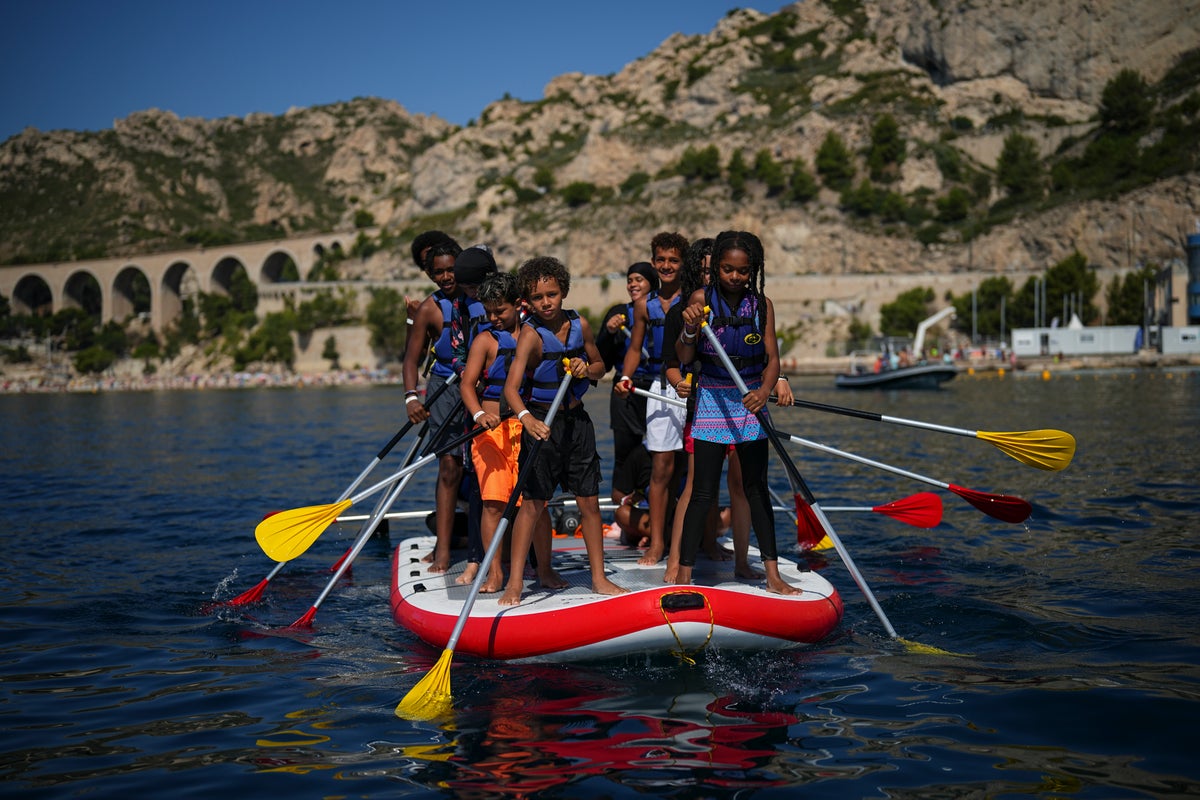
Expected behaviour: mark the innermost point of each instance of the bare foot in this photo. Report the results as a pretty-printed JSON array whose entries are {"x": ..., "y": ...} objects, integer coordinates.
[
  {"x": 511, "y": 597},
  {"x": 607, "y": 587},
  {"x": 744, "y": 570},
  {"x": 652, "y": 556},
  {"x": 671, "y": 572},
  {"x": 468, "y": 575},
  {"x": 427, "y": 557},
  {"x": 440, "y": 564},
  {"x": 779, "y": 586},
  {"x": 683, "y": 575},
  {"x": 492, "y": 585},
  {"x": 551, "y": 580}
]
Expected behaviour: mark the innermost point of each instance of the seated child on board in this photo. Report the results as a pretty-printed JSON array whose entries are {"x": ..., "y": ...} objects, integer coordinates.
[{"x": 568, "y": 456}]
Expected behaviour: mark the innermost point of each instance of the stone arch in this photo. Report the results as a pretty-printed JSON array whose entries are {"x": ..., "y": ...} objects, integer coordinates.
[
  {"x": 32, "y": 296},
  {"x": 178, "y": 283},
  {"x": 222, "y": 274},
  {"x": 83, "y": 290},
  {"x": 131, "y": 293},
  {"x": 275, "y": 268}
]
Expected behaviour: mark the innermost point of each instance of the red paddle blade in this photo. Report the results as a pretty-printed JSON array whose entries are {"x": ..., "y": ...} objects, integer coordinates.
[
  {"x": 250, "y": 595},
  {"x": 809, "y": 532},
  {"x": 1000, "y": 506},
  {"x": 306, "y": 620},
  {"x": 921, "y": 510}
]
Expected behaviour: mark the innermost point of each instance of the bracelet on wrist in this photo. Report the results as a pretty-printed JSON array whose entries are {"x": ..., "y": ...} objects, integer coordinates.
[
  {"x": 412, "y": 398},
  {"x": 781, "y": 378},
  {"x": 521, "y": 414},
  {"x": 475, "y": 417}
]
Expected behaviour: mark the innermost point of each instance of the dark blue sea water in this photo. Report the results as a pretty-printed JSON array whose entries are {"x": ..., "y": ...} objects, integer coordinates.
[{"x": 127, "y": 515}]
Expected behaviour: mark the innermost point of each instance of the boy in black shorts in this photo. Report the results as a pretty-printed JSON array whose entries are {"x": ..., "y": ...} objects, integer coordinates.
[{"x": 568, "y": 456}]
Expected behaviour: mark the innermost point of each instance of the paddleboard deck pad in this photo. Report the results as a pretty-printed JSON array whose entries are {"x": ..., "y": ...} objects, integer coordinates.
[{"x": 718, "y": 610}]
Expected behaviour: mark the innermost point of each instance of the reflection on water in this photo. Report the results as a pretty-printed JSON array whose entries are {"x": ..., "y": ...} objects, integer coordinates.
[{"x": 126, "y": 515}]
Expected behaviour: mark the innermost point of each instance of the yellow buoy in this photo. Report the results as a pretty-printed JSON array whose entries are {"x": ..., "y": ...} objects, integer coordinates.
[{"x": 1045, "y": 374}]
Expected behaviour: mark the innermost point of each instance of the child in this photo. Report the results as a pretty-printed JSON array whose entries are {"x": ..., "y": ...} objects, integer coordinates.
[
  {"x": 743, "y": 319},
  {"x": 626, "y": 412},
  {"x": 569, "y": 455},
  {"x": 444, "y": 318},
  {"x": 495, "y": 453},
  {"x": 664, "y": 422}
]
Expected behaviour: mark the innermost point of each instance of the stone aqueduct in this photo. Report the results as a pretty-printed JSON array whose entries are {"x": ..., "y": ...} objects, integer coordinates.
[{"x": 170, "y": 276}]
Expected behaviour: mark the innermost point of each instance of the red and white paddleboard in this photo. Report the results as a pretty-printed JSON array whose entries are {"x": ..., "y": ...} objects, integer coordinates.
[{"x": 717, "y": 611}]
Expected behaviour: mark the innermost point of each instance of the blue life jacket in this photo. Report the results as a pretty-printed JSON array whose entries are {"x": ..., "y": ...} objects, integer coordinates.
[
  {"x": 740, "y": 337},
  {"x": 548, "y": 373},
  {"x": 653, "y": 341},
  {"x": 497, "y": 371},
  {"x": 450, "y": 349}
]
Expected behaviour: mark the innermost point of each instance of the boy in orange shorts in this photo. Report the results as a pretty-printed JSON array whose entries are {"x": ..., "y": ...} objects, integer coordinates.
[{"x": 495, "y": 453}]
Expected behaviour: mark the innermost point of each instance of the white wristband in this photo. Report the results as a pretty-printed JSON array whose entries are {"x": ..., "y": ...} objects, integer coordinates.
[
  {"x": 521, "y": 415},
  {"x": 475, "y": 417},
  {"x": 412, "y": 398}
]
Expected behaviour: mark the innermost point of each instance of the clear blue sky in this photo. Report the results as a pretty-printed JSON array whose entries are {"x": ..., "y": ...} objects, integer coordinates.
[{"x": 80, "y": 64}]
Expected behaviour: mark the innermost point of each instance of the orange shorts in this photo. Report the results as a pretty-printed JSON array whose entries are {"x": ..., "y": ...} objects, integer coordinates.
[{"x": 494, "y": 454}]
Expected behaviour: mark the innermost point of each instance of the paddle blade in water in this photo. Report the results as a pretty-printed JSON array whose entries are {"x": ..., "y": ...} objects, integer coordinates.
[
  {"x": 1000, "y": 506},
  {"x": 928, "y": 649},
  {"x": 430, "y": 698},
  {"x": 809, "y": 532},
  {"x": 250, "y": 595},
  {"x": 288, "y": 534},
  {"x": 1046, "y": 449},
  {"x": 921, "y": 510}
]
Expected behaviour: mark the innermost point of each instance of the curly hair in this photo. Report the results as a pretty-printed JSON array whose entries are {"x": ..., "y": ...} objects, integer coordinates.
[
  {"x": 749, "y": 244},
  {"x": 691, "y": 277},
  {"x": 535, "y": 269},
  {"x": 668, "y": 241},
  {"x": 424, "y": 241},
  {"x": 444, "y": 247},
  {"x": 499, "y": 288}
]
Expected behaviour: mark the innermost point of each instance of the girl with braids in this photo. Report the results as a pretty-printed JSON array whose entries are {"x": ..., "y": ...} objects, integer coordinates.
[{"x": 743, "y": 319}]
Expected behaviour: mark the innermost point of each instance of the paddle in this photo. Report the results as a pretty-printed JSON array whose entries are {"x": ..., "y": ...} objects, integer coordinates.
[
  {"x": 430, "y": 698},
  {"x": 1005, "y": 508},
  {"x": 288, "y": 534},
  {"x": 1046, "y": 449},
  {"x": 812, "y": 511},
  {"x": 255, "y": 594}
]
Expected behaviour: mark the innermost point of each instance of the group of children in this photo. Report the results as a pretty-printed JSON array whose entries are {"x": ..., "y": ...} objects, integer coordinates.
[{"x": 509, "y": 342}]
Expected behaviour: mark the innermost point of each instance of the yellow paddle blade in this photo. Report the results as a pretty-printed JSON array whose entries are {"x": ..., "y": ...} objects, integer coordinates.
[
  {"x": 929, "y": 650},
  {"x": 430, "y": 698},
  {"x": 285, "y": 535},
  {"x": 1045, "y": 449}
]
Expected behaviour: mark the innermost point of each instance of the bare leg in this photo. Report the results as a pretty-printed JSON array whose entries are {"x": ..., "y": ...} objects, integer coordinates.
[
  {"x": 543, "y": 549},
  {"x": 526, "y": 521},
  {"x": 677, "y": 524},
  {"x": 660, "y": 498},
  {"x": 449, "y": 478},
  {"x": 593, "y": 539},
  {"x": 493, "y": 511}
]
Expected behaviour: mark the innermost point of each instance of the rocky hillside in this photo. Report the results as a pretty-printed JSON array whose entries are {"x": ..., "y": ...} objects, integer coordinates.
[{"x": 600, "y": 163}]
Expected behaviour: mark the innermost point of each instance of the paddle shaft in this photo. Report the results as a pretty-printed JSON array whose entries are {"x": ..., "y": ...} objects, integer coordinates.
[
  {"x": 506, "y": 518},
  {"x": 870, "y": 415},
  {"x": 798, "y": 482},
  {"x": 387, "y": 448}
]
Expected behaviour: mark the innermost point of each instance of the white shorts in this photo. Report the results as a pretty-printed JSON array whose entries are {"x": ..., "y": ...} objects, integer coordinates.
[{"x": 664, "y": 422}]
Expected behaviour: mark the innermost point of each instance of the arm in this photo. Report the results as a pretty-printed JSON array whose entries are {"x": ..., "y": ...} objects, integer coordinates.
[
  {"x": 593, "y": 369},
  {"x": 609, "y": 338},
  {"x": 756, "y": 399},
  {"x": 529, "y": 350},
  {"x": 633, "y": 356},
  {"x": 428, "y": 320},
  {"x": 478, "y": 357},
  {"x": 693, "y": 317}
]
